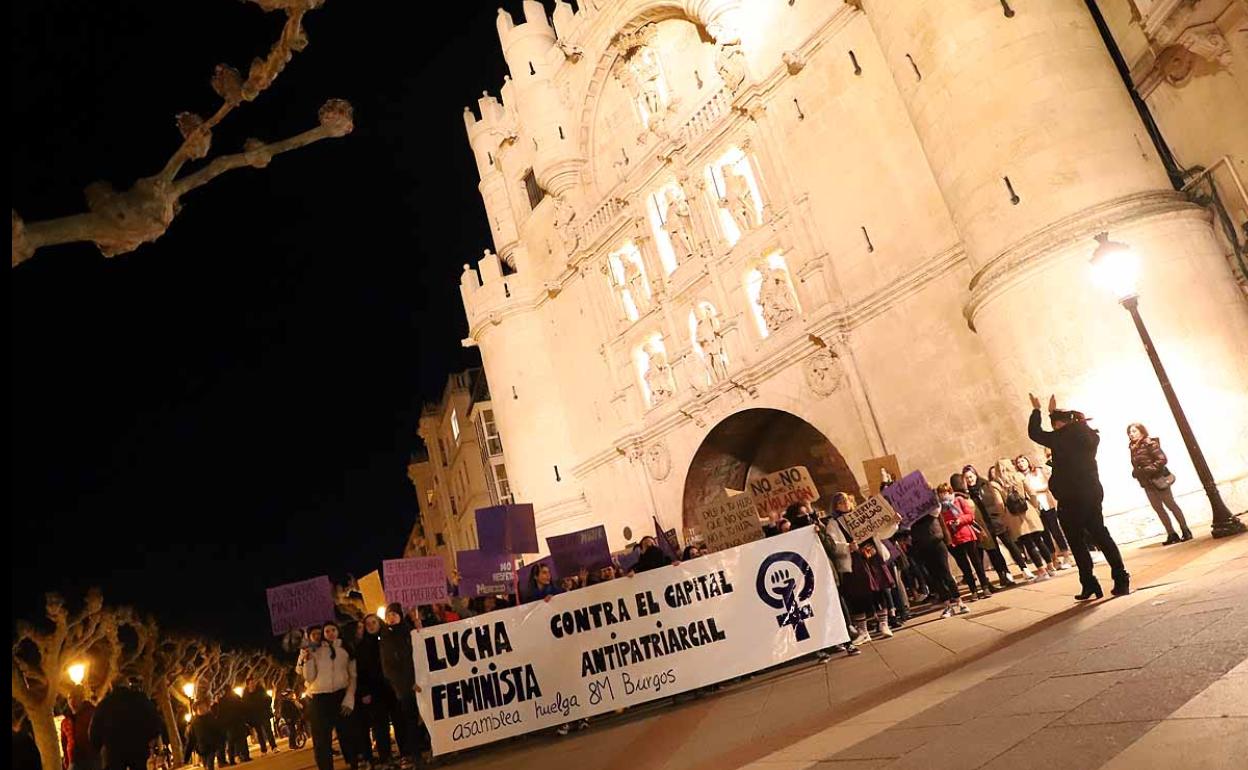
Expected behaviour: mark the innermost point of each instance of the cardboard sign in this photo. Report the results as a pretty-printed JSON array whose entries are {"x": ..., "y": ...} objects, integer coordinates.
[
  {"x": 626, "y": 642},
  {"x": 911, "y": 497},
  {"x": 881, "y": 469},
  {"x": 507, "y": 529},
  {"x": 728, "y": 522},
  {"x": 666, "y": 540},
  {"x": 482, "y": 573},
  {"x": 297, "y": 605},
  {"x": 775, "y": 492},
  {"x": 576, "y": 550},
  {"x": 873, "y": 516},
  {"x": 374, "y": 595},
  {"x": 416, "y": 581}
]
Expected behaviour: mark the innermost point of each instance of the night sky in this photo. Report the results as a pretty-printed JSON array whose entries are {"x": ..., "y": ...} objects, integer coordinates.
[{"x": 234, "y": 405}]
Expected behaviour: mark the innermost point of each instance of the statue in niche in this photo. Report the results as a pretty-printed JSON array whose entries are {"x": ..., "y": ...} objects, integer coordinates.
[
  {"x": 658, "y": 376},
  {"x": 635, "y": 283},
  {"x": 776, "y": 299},
  {"x": 739, "y": 199},
  {"x": 678, "y": 224},
  {"x": 730, "y": 63},
  {"x": 711, "y": 340},
  {"x": 648, "y": 73},
  {"x": 565, "y": 216}
]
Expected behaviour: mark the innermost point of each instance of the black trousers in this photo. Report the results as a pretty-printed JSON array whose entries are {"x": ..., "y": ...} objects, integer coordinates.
[
  {"x": 997, "y": 560},
  {"x": 934, "y": 559},
  {"x": 971, "y": 562},
  {"x": 264, "y": 735},
  {"x": 1084, "y": 524},
  {"x": 236, "y": 744},
  {"x": 1033, "y": 543},
  {"x": 126, "y": 758},
  {"x": 1011, "y": 545},
  {"x": 325, "y": 718},
  {"x": 407, "y": 727},
  {"x": 374, "y": 718},
  {"x": 1053, "y": 534}
]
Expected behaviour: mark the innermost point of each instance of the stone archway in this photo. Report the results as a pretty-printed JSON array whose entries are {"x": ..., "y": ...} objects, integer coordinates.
[{"x": 756, "y": 442}]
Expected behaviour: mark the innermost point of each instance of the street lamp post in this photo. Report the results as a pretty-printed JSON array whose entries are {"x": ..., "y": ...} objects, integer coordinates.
[
  {"x": 1115, "y": 267},
  {"x": 77, "y": 673}
]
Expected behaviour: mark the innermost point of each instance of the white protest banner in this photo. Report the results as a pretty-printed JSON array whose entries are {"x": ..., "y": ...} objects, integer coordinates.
[
  {"x": 869, "y": 518},
  {"x": 777, "y": 491},
  {"x": 728, "y": 522},
  {"x": 626, "y": 641}
]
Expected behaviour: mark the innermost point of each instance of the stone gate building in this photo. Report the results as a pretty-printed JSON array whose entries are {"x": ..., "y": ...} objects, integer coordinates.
[{"x": 732, "y": 236}]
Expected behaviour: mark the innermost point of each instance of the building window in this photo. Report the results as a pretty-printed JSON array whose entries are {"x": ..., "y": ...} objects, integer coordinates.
[
  {"x": 455, "y": 425},
  {"x": 494, "y": 442},
  {"x": 429, "y": 496},
  {"x": 535, "y": 191},
  {"x": 504, "y": 486},
  {"x": 441, "y": 541},
  {"x": 442, "y": 451}
]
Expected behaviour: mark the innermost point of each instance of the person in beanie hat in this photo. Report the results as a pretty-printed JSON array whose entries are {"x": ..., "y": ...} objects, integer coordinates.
[{"x": 400, "y": 673}]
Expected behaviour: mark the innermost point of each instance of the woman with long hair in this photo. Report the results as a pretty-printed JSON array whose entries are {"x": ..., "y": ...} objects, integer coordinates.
[
  {"x": 329, "y": 670},
  {"x": 1036, "y": 482},
  {"x": 991, "y": 510},
  {"x": 1148, "y": 467},
  {"x": 1022, "y": 519},
  {"x": 965, "y": 531},
  {"x": 869, "y": 581}
]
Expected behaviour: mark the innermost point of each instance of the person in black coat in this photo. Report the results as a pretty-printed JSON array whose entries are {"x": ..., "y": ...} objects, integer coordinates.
[
  {"x": 376, "y": 700},
  {"x": 258, "y": 710},
  {"x": 652, "y": 557},
  {"x": 123, "y": 728},
  {"x": 1076, "y": 483},
  {"x": 233, "y": 716},
  {"x": 395, "y": 645},
  {"x": 204, "y": 736}
]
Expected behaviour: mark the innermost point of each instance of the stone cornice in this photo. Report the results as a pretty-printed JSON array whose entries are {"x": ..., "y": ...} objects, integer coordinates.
[{"x": 1037, "y": 249}]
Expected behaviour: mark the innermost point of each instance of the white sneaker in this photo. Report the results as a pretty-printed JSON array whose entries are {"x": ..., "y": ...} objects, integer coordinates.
[
  {"x": 948, "y": 613},
  {"x": 564, "y": 729},
  {"x": 1028, "y": 574},
  {"x": 1043, "y": 576},
  {"x": 885, "y": 631},
  {"x": 963, "y": 609},
  {"x": 862, "y": 637}
]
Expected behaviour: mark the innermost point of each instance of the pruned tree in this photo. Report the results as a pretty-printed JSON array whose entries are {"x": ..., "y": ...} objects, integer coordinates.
[
  {"x": 42, "y": 653},
  {"x": 119, "y": 221}
]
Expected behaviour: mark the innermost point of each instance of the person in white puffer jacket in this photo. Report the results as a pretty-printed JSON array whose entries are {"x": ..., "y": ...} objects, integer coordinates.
[{"x": 328, "y": 668}]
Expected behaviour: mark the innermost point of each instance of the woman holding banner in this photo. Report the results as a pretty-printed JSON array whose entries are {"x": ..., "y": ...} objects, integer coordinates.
[{"x": 869, "y": 582}]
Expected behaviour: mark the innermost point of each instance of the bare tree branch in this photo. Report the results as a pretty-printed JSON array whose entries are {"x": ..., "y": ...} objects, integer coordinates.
[{"x": 118, "y": 222}]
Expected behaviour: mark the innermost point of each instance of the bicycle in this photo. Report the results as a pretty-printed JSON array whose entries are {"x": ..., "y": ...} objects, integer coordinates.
[{"x": 295, "y": 732}]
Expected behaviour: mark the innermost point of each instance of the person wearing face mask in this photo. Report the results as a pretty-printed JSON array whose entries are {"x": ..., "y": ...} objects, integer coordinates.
[
  {"x": 329, "y": 670},
  {"x": 963, "y": 533},
  {"x": 1076, "y": 483},
  {"x": 928, "y": 548}
]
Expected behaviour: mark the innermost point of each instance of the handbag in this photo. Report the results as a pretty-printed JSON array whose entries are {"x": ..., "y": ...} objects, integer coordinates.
[
  {"x": 1015, "y": 502},
  {"x": 1164, "y": 480}
]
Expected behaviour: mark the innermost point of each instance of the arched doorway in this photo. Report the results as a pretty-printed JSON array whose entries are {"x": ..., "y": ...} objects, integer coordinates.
[{"x": 756, "y": 442}]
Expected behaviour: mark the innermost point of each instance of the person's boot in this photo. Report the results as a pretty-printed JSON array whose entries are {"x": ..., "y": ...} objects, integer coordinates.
[
  {"x": 1122, "y": 585},
  {"x": 1090, "y": 589},
  {"x": 1171, "y": 539},
  {"x": 1187, "y": 534}
]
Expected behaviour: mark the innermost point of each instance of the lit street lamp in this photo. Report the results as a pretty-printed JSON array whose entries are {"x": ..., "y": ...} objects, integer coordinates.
[
  {"x": 381, "y": 612},
  {"x": 77, "y": 672},
  {"x": 188, "y": 690},
  {"x": 238, "y": 691},
  {"x": 1116, "y": 268}
]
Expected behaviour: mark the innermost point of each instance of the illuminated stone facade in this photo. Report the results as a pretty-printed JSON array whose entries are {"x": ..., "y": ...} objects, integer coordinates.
[{"x": 875, "y": 217}]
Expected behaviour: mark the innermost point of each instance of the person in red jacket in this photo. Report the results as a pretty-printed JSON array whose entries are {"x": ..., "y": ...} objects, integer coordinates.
[
  {"x": 77, "y": 753},
  {"x": 957, "y": 513}
]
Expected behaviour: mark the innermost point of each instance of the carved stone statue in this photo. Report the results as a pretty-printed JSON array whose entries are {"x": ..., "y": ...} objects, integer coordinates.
[
  {"x": 739, "y": 199},
  {"x": 730, "y": 63},
  {"x": 711, "y": 341},
  {"x": 658, "y": 376},
  {"x": 678, "y": 224},
  {"x": 635, "y": 283},
  {"x": 776, "y": 299},
  {"x": 565, "y": 224},
  {"x": 649, "y": 75}
]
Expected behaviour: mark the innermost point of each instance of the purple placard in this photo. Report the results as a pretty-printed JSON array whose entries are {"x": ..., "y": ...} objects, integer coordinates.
[
  {"x": 482, "y": 573},
  {"x": 911, "y": 497},
  {"x": 416, "y": 581},
  {"x": 527, "y": 569},
  {"x": 586, "y": 548},
  {"x": 626, "y": 560},
  {"x": 297, "y": 605},
  {"x": 507, "y": 529}
]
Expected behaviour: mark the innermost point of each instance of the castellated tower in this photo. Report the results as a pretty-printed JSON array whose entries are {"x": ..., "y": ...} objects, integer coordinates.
[{"x": 731, "y": 237}]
